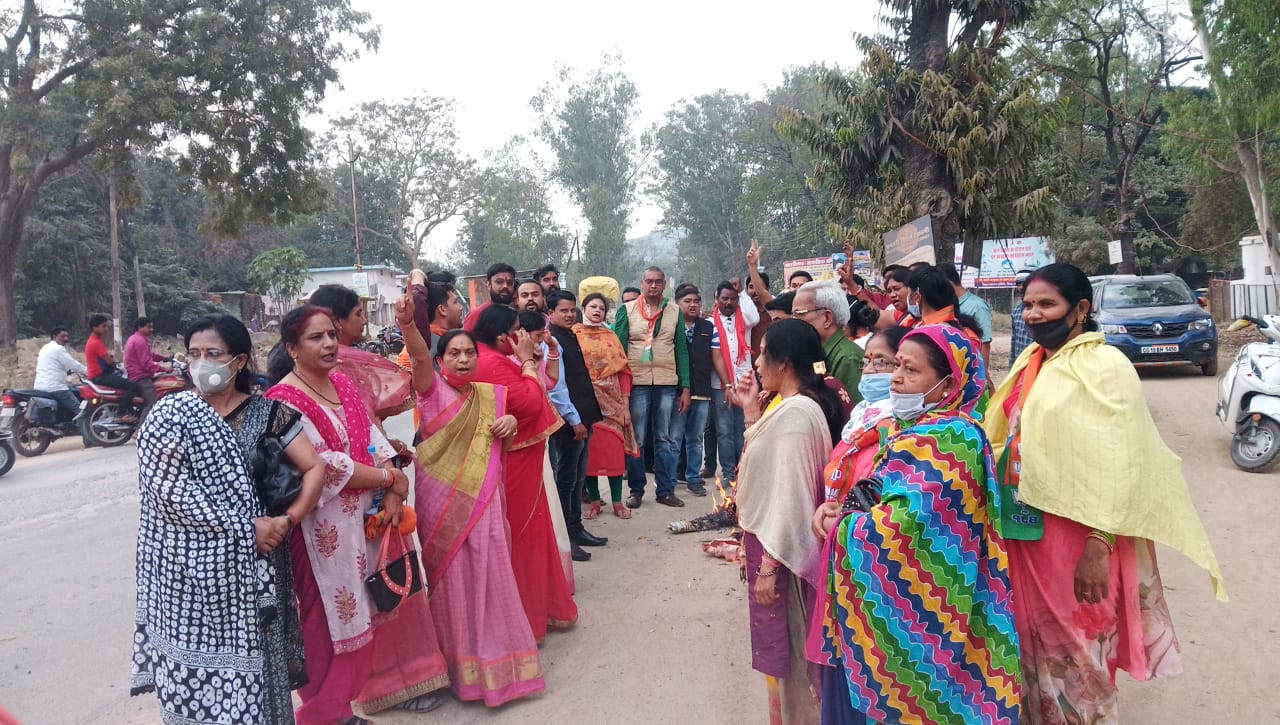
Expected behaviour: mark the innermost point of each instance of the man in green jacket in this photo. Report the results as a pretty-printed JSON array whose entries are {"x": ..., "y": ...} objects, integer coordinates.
[
  {"x": 649, "y": 329},
  {"x": 824, "y": 306}
]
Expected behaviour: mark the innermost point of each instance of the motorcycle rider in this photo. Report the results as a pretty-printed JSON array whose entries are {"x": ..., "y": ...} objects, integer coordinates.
[
  {"x": 52, "y": 365},
  {"x": 102, "y": 365},
  {"x": 142, "y": 364}
]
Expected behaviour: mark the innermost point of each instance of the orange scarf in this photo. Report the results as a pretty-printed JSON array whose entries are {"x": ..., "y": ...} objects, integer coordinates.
[
  {"x": 1013, "y": 413},
  {"x": 601, "y": 350},
  {"x": 740, "y": 329}
]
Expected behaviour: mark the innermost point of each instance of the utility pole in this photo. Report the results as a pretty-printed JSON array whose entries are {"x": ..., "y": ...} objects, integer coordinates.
[
  {"x": 113, "y": 212},
  {"x": 352, "y": 157}
]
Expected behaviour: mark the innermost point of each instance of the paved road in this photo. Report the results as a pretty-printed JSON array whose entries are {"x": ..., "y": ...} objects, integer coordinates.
[{"x": 662, "y": 635}]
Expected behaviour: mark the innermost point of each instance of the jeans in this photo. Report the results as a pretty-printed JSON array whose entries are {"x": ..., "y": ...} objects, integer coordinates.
[
  {"x": 730, "y": 428},
  {"x": 120, "y": 382},
  {"x": 689, "y": 432},
  {"x": 67, "y": 401},
  {"x": 147, "y": 386},
  {"x": 569, "y": 462},
  {"x": 658, "y": 401}
]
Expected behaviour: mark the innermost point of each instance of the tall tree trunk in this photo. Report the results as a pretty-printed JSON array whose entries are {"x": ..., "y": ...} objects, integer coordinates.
[
  {"x": 113, "y": 223},
  {"x": 15, "y": 203},
  {"x": 929, "y": 188},
  {"x": 77, "y": 285},
  {"x": 137, "y": 285}
]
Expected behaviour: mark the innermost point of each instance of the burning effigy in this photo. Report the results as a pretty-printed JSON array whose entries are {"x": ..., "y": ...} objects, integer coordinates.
[{"x": 724, "y": 514}]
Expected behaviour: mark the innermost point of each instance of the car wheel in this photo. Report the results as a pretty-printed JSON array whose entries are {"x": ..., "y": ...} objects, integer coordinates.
[
  {"x": 1255, "y": 446},
  {"x": 1210, "y": 368}
]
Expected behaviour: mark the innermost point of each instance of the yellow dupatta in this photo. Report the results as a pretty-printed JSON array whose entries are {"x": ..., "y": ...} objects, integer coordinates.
[{"x": 1091, "y": 451}]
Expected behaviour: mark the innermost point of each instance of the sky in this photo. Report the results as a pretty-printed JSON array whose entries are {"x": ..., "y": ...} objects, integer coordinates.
[{"x": 491, "y": 58}]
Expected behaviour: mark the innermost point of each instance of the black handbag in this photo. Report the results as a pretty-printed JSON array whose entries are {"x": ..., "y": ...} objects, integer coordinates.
[
  {"x": 396, "y": 580},
  {"x": 278, "y": 482},
  {"x": 863, "y": 495}
]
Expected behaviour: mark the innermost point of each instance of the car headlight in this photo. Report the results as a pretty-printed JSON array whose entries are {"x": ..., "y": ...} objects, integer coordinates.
[
  {"x": 1113, "y": 330},
  {"x": 1205, "y": 324}
]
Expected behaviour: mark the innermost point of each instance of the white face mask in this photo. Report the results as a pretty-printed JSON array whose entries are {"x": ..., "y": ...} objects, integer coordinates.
[
  {"x": 210, "y": 377},
  {"x": 909, "y": 406}
]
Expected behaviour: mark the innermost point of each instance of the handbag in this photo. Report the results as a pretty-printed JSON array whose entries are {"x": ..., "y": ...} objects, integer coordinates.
[
  {"x": 863, "y": 495},
  {"x": 394, "y": 581},
  {"x": 277, "y": 481}
]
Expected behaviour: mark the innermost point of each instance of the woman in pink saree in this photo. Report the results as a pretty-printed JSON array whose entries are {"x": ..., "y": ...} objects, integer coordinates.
[
  {"x": 486, "y": 639},
  {"x": 406, "y": 665},
  {"x": 352, "y": 651}
]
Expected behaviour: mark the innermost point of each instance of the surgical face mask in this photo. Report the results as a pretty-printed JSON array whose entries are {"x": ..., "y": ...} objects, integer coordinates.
[
  {"x": 457, "y": 380},
  {"x": 909, "y": 406},
  {"x": 874, "y": 387},
  {"x": 1053, "y": 334},
  {"x": 211, "y": 377},
  {"x": 913, "y": 309}
]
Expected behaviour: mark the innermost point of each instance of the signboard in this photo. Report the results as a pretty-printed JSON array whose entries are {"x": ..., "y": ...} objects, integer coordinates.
[
  {"x": 1115, "y": 252},
  {"x": 910, "y": 243},
  {"x": 968, "y": 275},
  {"x": 862, "y": 265},
  {"x": 1003, "y": 258},
  {"x": 360, "y": 283},
  {"x": 819, "y": 268}
]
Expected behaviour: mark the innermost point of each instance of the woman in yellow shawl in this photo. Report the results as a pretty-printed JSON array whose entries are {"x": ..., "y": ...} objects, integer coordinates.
[{"x": 1088, "y": 487}]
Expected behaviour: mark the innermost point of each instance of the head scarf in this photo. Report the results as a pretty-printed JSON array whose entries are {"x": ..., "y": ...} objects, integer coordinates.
[
  {"x": 967, "y": 368},
  {"x": 915, "y": 603}
]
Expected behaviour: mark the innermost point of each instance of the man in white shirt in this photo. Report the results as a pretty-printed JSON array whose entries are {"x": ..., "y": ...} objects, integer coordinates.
[
  {"x": 734, "y": 316},
  {"x": 52, "y": 366}
]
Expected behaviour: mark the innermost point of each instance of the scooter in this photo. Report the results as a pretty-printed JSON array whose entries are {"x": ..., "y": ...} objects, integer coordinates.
[
  {"x": 7, "y": 455},
  {"x": 1249, "y": 397}
]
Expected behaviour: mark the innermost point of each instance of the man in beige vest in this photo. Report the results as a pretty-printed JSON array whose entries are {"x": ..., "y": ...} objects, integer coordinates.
[{"x": 649, "y": 329}]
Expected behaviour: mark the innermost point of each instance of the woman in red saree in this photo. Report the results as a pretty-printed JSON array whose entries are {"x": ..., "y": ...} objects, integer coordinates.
[
  {"x": 535, "y": 558},
  {"x": 484, "y": 634},
  {"x": 352, "y": 651}
]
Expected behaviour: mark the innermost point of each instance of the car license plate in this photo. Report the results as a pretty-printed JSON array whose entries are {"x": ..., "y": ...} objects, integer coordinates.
[{"x": 1157, "y": 349}]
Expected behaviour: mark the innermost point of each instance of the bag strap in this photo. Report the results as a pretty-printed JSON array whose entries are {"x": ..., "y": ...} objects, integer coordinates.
[{"x": 401, "y": 589}]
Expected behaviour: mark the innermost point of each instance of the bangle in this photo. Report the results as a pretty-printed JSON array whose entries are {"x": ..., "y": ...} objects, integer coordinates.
[
  {"x": 553, "y": 357},
  {"x": 761, "y": 573},
  {"x": 386, "y": 478},
  {"x": 292, "y": 521},
  {"x": 1107, "y": 539}
]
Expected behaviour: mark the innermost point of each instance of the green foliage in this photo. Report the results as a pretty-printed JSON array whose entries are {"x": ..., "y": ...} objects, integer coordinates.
[
  {"x": 328, "y": 236},
  {"x": 587, "y": 123},
  {"x": 406, "y": 153},
  {"x": 279, "y": 274},
  {"x": 512, "y": 220},
  {"x": 934, "y": 125},
  {"x": 229, "y": 78}
]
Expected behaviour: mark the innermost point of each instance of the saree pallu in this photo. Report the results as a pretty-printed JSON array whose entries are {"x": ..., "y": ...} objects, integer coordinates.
[
  {"x": 613, "y": 438},
  {"x": 483, "y": 630},
  {"x": 919, "y": 607},
  {"x": 535, "y": 557},
  {"x": 385, "y": 388}
]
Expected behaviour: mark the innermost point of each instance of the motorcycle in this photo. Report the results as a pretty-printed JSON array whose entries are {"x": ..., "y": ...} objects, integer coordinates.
[
  {"x": 392, "y": 338},
  {"x": 7, "y": 456},
  {"x": 34, "y": 420},
  {"x": 1249, "y": 397},
  {"x": 103, "y": 421}
]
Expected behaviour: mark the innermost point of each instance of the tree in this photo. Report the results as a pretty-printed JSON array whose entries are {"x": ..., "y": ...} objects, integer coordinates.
[
  {"x": 407, "y": 149},
  {"x": 228, "y": 78},
  {"x": 1236, "y": 130},
  {"x": 934, "y": 124},
  {"x": 587, "y": 123},
  {"x": 1113, "y": 64},
  {"x": 280, "y": 274},
  {"x": 702, "y": 161},
  {"x": 328, "y": 236},
  {"x": 512, "y": 220}
]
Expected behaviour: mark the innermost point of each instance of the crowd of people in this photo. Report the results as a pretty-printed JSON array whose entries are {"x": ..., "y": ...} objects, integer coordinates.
[{"x": 920, "y": 545}]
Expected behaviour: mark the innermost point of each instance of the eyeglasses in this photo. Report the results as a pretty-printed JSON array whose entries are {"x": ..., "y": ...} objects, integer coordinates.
[
  {"x": 213, "y": 354},
  {"x": 655, "y": 281},
  {"x": 802, "y": 313},
  {"x": 880, "y": 364}
]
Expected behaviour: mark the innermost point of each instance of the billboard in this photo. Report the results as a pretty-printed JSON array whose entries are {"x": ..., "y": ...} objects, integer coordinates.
[
  {"x": 1003, "y": 258},
  {"x": 819, "y": 268},
  {"x": 910, "y": 243}
]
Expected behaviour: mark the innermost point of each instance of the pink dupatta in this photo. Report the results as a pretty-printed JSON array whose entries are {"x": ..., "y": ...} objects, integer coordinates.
[{"x": 384, "y": 387}]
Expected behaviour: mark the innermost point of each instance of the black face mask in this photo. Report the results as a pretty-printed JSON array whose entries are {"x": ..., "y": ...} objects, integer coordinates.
[{"x": 1053, "y": 334}]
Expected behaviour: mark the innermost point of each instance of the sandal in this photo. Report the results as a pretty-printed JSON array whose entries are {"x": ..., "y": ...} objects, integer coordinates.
[
  {"x": 425, "y": 703},
  {"x": 594, "y": 510},
  {"x": 621, "y": 511}
]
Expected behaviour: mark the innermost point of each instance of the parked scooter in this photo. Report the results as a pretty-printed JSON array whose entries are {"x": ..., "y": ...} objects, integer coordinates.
[
  {"x": 1249, "y": 397},
  {"x": 35, "y": 420},
  {"x": 7, "y": 455},
  {"x": 104, "y": 422}
]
